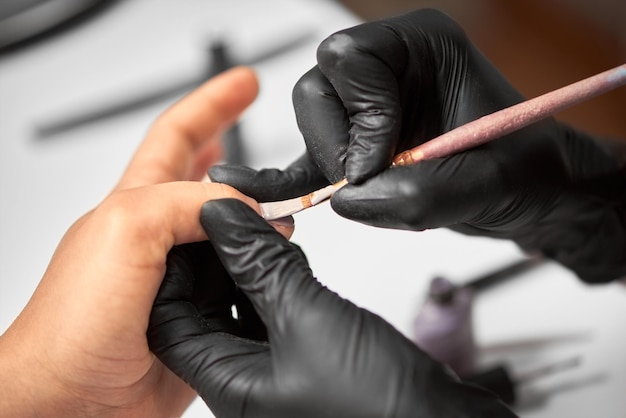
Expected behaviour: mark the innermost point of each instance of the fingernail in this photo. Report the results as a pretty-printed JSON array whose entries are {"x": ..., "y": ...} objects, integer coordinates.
[{"x": 286, "y": 222}]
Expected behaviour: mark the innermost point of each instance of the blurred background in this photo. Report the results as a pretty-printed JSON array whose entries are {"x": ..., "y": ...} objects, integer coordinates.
[{"x": 82, "y": 80}]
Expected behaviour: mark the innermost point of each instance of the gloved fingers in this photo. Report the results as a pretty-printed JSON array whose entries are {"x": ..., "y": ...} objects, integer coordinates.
[
  {"x": 177, "y": 284},
  {"x": 234, "y": 375},
  {"x": 268, "y": 269},
  {"x": 299, "y": 178},
  {"x": 228, "y": 372},
  {"x": 174, "y": 317},
  {"x": 431, "y": 194},
  {"x": 250, "y": 324},
  {"x": 364, "y": 64},
  {"x": 206, "y": 349},
  {"x": 323, "y": 122},
  {"x": 205, "y": 281}
]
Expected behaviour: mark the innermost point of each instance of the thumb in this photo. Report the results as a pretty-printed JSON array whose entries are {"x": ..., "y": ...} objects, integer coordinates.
[{"x": 267, "y": 267}]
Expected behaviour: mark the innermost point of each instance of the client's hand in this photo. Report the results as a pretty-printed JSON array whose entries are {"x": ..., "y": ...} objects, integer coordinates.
[{"x": 79, "y": 347}]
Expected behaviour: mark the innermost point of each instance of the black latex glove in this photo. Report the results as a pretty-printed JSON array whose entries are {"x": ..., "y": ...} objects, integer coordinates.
[
  {"x": 325, "y": 358},
  {"x": 383, "y": 87},
  {"x": 198, "y": 284}
]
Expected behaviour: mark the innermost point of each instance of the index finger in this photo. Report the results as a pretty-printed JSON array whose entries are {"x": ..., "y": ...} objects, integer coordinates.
[
  {"x": 178, "y": 136},
  {"x": 362, "y": 64}
]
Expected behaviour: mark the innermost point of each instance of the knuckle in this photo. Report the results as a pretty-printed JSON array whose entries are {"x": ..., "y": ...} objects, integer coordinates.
[
  {"x": 120, "y": 216},
  {"x": 308, "y": 87},
  {"x": 335, "y": 49},
  {"x": 224, "y": 191},
  {"x": 122, "y": 208},
  {"x": 419, "y": 197}
]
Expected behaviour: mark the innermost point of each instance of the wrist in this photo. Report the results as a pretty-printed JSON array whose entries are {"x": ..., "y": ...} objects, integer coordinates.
[
  {"x": 599, "y": 190},
  {"x": 27, "y": 390},
  {"x": 580, "y": 225}
]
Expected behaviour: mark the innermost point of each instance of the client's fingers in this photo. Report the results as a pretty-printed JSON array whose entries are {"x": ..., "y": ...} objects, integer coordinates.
[{"x": 182, "y": 133}]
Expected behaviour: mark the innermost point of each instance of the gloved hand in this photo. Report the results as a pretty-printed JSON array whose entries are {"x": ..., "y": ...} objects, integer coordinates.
[
  {"x": 386, "y": 86},
  {"x": 195, "y": 272},
  {"x": 325, "y": 357}
]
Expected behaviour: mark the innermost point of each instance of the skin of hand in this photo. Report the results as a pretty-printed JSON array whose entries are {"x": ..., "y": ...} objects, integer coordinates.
[
  {"x": 79, "y": 347},
  {"x": 386, "y": 86},
  {"x": 325, "y": 357}
]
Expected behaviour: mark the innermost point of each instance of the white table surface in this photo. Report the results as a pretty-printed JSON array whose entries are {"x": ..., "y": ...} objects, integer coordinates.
[{"x": 540, "y": 317}]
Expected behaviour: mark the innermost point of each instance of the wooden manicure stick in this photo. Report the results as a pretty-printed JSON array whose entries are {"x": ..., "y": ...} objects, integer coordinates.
[{"x": 510, "y": 119}]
